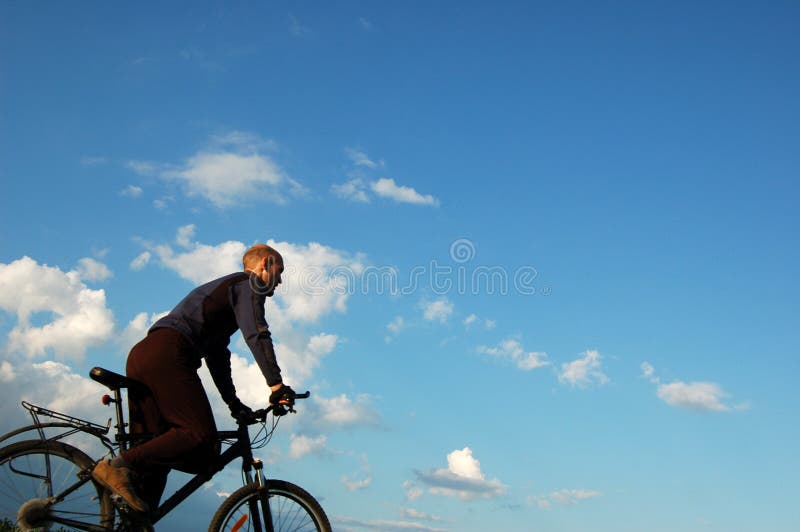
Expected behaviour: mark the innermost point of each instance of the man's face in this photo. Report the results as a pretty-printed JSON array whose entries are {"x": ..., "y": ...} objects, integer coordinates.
[{"x": 273, "y": 268}]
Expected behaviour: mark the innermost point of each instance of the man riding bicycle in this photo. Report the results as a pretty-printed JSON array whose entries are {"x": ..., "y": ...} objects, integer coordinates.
[{"x": 175, "y": 406}]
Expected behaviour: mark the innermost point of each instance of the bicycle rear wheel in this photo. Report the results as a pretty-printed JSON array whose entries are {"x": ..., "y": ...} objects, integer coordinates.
[
  {"x": 293, "y": 509},
  {"x": 45, "y": 482}
]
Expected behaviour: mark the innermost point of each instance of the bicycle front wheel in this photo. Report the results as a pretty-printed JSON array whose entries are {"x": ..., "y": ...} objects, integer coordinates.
[
  {"x": 292, "y": 509},
  {"x": 47, "y": 485}
]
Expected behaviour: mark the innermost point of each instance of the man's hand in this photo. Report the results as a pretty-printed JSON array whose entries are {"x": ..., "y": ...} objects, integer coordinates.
[
  {"x": 283, "y": 395},
  {"x": 240, "y": 412}
]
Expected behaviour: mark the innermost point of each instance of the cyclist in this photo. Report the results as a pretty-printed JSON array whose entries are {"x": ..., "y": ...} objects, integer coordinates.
[{"x": 176, "y": 407}]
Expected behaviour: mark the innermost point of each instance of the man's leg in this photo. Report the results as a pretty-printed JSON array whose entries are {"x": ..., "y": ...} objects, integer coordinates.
[
  {"x": 176, "y": 408},
  {"x": 168, "y": 366}
]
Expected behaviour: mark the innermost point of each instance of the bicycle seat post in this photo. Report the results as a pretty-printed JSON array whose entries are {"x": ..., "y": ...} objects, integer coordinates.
[{"x": 120, "y": 426}]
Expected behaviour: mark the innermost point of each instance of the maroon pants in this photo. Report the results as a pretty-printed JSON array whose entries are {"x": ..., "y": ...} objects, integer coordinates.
[{"x": 176, "y": 408}]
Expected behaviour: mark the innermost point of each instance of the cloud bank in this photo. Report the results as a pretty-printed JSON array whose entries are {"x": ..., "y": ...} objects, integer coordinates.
[{"x": 463, "y": 478}]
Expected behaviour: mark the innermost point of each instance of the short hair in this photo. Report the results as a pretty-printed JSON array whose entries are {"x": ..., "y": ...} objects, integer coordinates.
[{"x": 258, "y": 252}]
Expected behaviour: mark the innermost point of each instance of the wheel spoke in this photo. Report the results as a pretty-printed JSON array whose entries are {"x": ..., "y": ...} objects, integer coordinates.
[
  {"x": 26, "y": 482},
  {"x": 292, "y": 509}
]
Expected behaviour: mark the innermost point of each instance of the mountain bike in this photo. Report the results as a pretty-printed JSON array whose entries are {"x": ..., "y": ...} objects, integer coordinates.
[{"x": 46, "y": 483}]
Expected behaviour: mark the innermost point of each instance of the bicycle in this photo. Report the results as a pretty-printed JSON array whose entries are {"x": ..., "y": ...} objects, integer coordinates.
[{"x": 46, "y": 481}]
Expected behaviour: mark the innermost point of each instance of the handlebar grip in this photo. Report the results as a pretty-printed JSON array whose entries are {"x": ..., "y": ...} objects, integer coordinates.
[{"x": 261, "y": 414}]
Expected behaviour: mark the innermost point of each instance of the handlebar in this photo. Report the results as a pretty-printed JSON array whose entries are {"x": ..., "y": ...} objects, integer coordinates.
[{"x": 280, "y": 409}]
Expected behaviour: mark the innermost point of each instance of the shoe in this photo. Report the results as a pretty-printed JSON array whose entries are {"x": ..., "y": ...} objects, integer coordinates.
[{"x": 118, "y": 480}]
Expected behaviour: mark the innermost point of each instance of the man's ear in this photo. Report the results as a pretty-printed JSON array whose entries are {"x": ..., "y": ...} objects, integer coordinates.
[{"x": 268, "y": 262}]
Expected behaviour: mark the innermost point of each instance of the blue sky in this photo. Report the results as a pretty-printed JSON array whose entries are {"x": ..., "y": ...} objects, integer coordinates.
[{"x": 628, "y": 170}]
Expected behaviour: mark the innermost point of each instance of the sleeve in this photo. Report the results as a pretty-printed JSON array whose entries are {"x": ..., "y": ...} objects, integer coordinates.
[
  {"x": 248, "y": 307},
  {"x": 219, "y": 365}
]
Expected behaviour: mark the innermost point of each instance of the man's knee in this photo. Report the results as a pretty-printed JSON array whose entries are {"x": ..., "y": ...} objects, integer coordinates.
[
  {"x": 201, "y": 454},
  {"x": 204, "y": 443}
]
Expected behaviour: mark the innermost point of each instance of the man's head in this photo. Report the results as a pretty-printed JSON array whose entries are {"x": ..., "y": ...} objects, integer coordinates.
[{"x": 266, "y": 263}]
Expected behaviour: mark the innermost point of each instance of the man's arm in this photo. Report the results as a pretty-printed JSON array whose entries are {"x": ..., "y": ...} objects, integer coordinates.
[
  {"x": 219, "y": 365},
  {"x": 248, "y": 307}
]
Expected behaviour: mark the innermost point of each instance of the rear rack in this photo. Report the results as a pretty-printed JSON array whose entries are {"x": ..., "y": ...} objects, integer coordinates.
[{"x": 82, "y": 424}]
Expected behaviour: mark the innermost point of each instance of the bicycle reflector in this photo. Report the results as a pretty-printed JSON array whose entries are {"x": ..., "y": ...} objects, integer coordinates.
[{"x": 107, "y": 400}]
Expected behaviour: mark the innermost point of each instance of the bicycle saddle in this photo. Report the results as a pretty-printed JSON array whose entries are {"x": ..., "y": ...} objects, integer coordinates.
[{"x": 114, "y": 381}]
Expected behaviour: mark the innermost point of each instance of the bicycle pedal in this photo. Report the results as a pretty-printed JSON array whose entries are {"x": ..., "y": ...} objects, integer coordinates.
[{"x": 121, "y": 504}]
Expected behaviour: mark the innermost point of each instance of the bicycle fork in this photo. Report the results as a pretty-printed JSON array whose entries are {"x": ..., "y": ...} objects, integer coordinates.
[{"x": 263, "y": 497}]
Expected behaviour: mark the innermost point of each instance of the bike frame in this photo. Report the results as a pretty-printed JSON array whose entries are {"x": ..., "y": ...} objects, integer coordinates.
[{"x": 240, "y": 448}]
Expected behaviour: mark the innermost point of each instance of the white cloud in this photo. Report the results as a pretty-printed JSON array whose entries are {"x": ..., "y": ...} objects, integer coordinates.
[
  {"x": 145, "y": 168},
  {"x": 439, "y": 310},
  {"x": 207, "y": 262},
  {"x": 100, "y": 253},
  {"x": 573, "y": 496},
  {"x": 131, "y": 191},
  {"x": 359, "y": 158},
  {"x": 411, "y": 513},
  {"x": 162, "y": 203},
  {"x": 413, "y": 491},
  {"x": 384, "y": 525},
  {"x": 563, "y": 497},
  {"x": 463, "y": 478},
  {"x": 698, "y": 396},
  {"x": 298, "y": 356},
  {"x": 358, "y": 188},
  {"x": 311, "y": 285},
  {"x": 91, "y": 270},
  {"x": 228, "y": 173},
  {"x": 473, "y": 319},
  {"x": 202, "y": 262},
  {"x": 513, "y": 350},
  {"x": 353, "y": 190},
  {"x": 343, "y": 412},
  {"x": 78, "y": 316},
  {"x": 185, "y": 236},
  {"x": 228, "y": 178},
  {"x": 140, "y": 261},
  {"x": 396, "y": 325},
  {"x": 649, "y": 372},
  {"x": 7, "y": 373},
  {"x": 356, "y": 484},
  {"x": 387, "y": 188},
  {"x": 583, "y": 371},
  {"x": 359, "y": 480},
  {"x": 302, "y": 445},
  {"x": 251, "y": 387},
  {"x": 72, "y": 390},
  {"x": 49, "y": 384},
  {"x": 244, "y": 141}
]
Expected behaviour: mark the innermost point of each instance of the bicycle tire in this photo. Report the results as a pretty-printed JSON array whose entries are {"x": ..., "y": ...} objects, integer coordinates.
[
  {"x": 24, "y": 478},
  {"x": 293, "y": 509}
]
